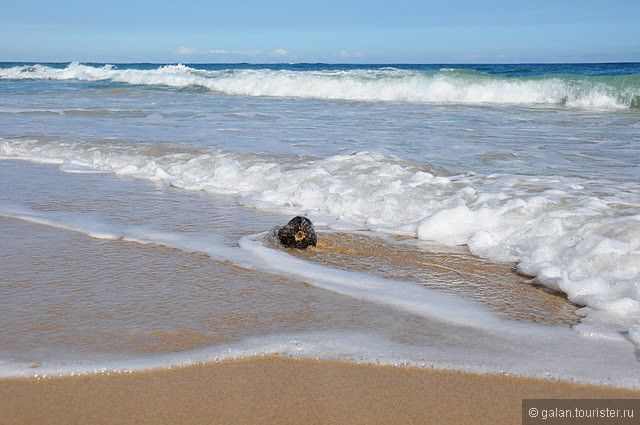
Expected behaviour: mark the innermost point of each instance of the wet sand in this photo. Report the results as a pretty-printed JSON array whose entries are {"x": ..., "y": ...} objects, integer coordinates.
[
  {"x": 281, "y": 391},
  {"x": 149, "y": 298},
  {"x": 263, "y": 390},
  {"x": 449, "y": 269}
]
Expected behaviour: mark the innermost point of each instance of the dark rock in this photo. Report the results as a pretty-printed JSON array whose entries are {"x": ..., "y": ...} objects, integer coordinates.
[{"x": 298, "y": 233}]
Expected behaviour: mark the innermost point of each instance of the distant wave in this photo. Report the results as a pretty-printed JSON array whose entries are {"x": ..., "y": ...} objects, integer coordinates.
[{"x": 447, "y": 85}]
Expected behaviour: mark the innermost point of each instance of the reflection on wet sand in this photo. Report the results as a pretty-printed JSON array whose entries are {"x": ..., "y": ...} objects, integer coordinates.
[{"x": 451, "y": 270}]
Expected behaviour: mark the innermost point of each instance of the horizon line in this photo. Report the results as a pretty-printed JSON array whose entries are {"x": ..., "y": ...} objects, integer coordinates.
[{"x": 318, "y": 63}]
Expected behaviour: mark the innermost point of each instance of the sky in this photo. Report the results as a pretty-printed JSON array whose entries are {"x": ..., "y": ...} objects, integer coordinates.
[{"x": 329, "y": 31}]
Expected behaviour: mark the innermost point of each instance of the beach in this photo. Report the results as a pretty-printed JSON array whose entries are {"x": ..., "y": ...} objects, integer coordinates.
[
  {"x": 282, "y": 391},
  {"x": 478, "y": 241}
]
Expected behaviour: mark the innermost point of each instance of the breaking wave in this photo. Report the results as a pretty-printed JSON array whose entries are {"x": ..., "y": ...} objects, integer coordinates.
[
  {"x": 555, "y": 229},
  {"x": 447, "y": 85}
]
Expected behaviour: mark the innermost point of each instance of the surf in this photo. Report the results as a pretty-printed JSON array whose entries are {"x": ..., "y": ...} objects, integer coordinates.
[
  {"x": 387, "y": 84},
  {"x": 558, "y": 232}
]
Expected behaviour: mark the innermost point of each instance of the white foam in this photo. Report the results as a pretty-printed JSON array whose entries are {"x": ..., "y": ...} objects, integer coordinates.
[
  {"x": 526, "y": 357},
  {"x": 468, "y": 338},
  {"x": 74, "y": 168},
  {"x": 388, "y": 84},
  {"x": 403, "y": 295},
  {"x": 254, "y": 254},
  {"x": 569, "y": 238}
]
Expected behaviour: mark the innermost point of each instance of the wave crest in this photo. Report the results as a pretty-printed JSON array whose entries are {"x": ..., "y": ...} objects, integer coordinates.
[{"x": 447, "y": 85}]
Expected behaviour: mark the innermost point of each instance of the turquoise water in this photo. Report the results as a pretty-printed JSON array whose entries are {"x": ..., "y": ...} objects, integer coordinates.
[
  {"x": 532, "y": 165},
  {"x": 580, "y": 84}
]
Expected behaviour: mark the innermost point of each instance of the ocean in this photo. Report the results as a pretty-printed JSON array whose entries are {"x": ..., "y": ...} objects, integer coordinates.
[{"x": 482, "y": 218}]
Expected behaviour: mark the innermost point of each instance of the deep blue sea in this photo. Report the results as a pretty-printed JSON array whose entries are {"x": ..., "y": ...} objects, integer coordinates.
[{"x": 138, "y": 203}]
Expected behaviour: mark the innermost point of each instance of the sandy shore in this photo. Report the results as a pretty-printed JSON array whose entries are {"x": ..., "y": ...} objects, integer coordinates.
[{"x": 281, "y": 391}]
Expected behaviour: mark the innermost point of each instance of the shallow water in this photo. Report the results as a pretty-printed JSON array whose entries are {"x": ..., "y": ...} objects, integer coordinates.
[{"x": 463, "y": 233}]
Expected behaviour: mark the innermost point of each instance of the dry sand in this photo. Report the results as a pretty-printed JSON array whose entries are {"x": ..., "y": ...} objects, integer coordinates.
[{"x": 281, "y": 391}]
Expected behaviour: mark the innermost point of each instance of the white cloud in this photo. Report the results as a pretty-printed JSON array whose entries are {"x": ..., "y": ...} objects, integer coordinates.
[
  {"x": 218, "y": 51},
  {"x": 186, "y": 50},
  {"x": 279, "y": 52}
]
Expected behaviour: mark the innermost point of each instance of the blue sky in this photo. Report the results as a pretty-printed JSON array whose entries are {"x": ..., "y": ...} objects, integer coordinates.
[{"x": 373, "y": 31}]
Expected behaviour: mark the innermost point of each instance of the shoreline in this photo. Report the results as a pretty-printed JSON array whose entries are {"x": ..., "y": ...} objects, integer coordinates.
[{"x": 281, "y": 390}]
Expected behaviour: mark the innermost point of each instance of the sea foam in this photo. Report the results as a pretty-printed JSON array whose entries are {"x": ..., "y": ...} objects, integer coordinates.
[
  {"x": 557, "y": 231},
  {"x": 509, "y": 356},
  {"x": 386, "y": 84},
  {"x": 466, "y": 338}
]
